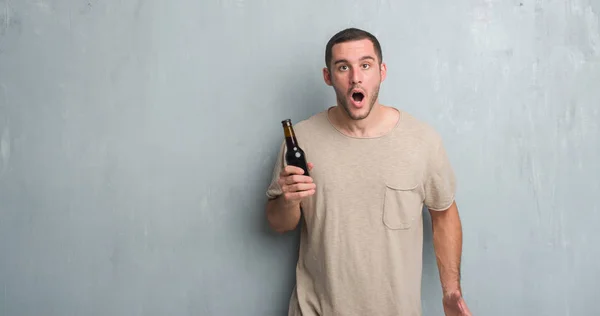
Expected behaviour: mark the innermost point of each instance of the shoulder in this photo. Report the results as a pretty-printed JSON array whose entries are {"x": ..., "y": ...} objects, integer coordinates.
[
  {"x": 315, "y": 124},
  {"x": 419, "y": 129}
]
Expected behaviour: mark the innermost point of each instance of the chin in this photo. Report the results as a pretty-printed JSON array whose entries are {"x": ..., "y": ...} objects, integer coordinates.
[
  {"x": 357, "y": 114},
  {"x": 360, "y": 117}
]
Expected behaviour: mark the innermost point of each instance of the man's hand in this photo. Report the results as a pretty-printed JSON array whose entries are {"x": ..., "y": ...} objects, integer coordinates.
[
  {"x": 454, "y": 305},
  {"x": 283, "y": 213},
  {"x": 295, "y": 185}
]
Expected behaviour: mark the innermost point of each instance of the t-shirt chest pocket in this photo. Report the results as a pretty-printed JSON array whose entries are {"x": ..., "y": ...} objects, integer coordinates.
[{"x": 402, "y": 204}]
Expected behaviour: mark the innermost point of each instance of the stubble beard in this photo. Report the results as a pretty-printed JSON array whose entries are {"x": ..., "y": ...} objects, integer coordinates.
[{"x": 343, "y": 101}]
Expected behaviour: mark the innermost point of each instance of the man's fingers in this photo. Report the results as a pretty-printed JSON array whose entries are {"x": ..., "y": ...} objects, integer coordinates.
[
  {"x": 299, "y": 195},
  {"x": 288, "y": 170},
  {"x": 300, "y": 187},
  {"x": 291, "y": 176},
  {"x": 298, "y": 179}
]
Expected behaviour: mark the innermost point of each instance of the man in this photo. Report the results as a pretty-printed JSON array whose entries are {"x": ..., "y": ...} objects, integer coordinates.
[{"x": 372, "y": 168}]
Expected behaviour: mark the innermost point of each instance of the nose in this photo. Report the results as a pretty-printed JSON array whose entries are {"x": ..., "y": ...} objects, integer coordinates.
[{"x": 356, "y": 76}]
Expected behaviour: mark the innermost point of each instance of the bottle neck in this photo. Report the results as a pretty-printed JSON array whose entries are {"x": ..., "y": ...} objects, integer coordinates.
[{"x": 290, "y": 137}]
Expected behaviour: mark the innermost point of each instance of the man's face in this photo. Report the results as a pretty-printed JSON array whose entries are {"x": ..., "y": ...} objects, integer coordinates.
[{"x": 355, "y": 76}]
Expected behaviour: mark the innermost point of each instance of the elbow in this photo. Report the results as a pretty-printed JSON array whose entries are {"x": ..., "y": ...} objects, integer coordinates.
[
  {"x": 279, "y": 230},
  {"x": 272, "y": 222},
  {"x": 276, "y": 225},
  {"x": 279, "y": 223}
]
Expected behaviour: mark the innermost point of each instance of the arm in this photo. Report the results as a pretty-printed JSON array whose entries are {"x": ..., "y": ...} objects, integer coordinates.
[
  {"x": 282, "y": 216},
  {"x": 283, "y": 212},
  {"x": 447, "y": 242}
]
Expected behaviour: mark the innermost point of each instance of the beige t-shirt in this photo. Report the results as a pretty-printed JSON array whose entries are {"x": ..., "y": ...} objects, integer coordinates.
[{"x": 361, "y": 239}]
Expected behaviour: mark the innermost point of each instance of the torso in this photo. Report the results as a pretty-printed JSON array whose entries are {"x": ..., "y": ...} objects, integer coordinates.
[{"x": 361, "y": 242}]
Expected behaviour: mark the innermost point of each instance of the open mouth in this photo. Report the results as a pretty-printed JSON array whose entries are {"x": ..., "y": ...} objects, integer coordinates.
[{"x": 357, "y": 96}]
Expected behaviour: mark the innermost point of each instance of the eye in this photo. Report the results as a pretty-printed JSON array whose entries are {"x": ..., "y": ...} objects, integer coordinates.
[
  {"x": 344, "y": 67},
  {"x": 366, "y": 66}
]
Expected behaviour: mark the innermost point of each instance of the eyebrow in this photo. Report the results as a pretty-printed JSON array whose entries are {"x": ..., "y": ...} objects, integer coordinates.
[{"x": 346, "y": 61}]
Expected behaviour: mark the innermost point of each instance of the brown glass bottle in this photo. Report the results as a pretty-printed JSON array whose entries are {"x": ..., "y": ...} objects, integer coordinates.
[{"x": 294, "y": 155}]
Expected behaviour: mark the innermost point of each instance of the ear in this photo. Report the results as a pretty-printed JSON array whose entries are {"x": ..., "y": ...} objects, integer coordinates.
[
  {"x": 383, "y": 71},
  {"x": 327, "y": 76}
]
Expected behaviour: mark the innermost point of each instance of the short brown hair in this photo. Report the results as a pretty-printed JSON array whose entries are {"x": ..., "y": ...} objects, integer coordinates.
[{"x": 351, "y": 34}]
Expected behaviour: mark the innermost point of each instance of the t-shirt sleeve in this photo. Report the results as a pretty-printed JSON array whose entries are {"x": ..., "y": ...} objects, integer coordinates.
[
  {"x": 274, "y": 190},
  {"x": 440, "y": 181}
]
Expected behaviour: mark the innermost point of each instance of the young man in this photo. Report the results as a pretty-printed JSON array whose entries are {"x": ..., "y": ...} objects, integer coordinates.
[{"x": 372, "y": 168}]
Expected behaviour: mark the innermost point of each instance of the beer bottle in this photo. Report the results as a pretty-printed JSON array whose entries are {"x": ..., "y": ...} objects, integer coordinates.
[{"x": 294, "y": 155}]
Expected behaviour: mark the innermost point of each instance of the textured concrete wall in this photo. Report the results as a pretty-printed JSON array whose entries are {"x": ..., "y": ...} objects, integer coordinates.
[{"x": 137, "y": 139}]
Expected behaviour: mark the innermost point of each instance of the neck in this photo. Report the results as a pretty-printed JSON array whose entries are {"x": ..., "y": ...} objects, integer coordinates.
[{"x": 377, "y": 123}]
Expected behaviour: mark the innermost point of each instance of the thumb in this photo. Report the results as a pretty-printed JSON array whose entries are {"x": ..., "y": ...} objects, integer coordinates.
[{"x": 310, "y": 166}]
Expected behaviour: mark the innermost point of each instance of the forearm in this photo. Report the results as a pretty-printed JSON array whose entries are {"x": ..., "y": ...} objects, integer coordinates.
[
  {"x": 282, "y": 216},
  {"x": 447, "y": 242}
]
